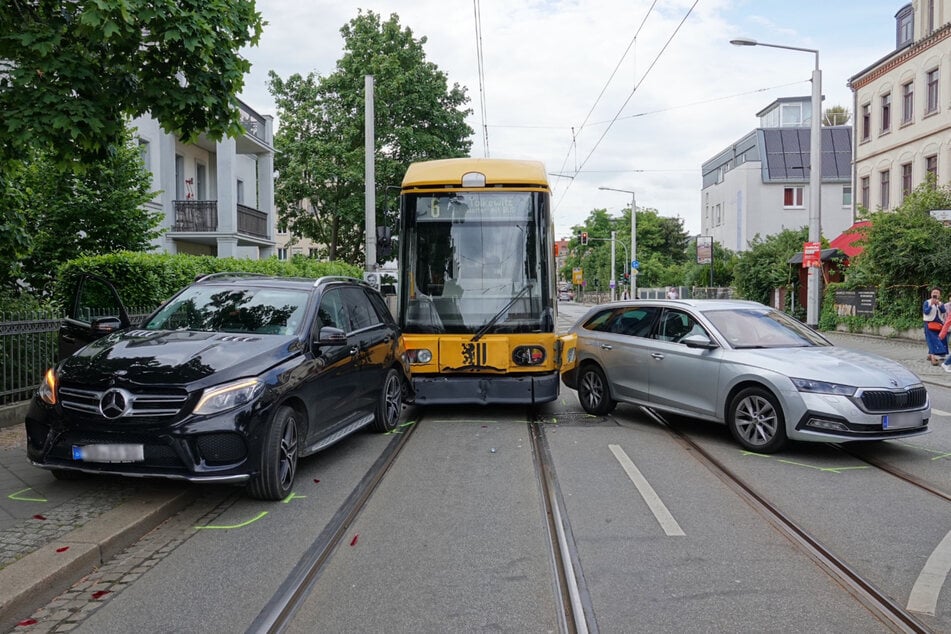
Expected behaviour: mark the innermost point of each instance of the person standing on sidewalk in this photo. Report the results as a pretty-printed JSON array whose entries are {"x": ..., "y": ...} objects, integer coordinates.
[{"x": 933, "y": 314}]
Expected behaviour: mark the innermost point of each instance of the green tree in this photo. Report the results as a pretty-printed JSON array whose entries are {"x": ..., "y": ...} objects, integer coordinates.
[
  {"x": 836, "y": 115},
  {"x": 320, "y": 144},
  {"x": 905, "y": 252},
  {"x": 72, "y": 73},
  {"x": 724, "y": 261},
  {"x": 81, "y": 212},
  {"x": 765, "y": 266},
  {"x": 661, "y": 249}
]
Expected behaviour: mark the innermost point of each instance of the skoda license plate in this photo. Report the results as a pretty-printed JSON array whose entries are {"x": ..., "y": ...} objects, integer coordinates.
[{"x": 109, "y": 453}]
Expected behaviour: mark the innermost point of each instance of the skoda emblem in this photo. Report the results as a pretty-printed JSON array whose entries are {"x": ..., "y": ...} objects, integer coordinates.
[
  {"x": 893, "y": 382},
  {"x": 115, "y": 402}
]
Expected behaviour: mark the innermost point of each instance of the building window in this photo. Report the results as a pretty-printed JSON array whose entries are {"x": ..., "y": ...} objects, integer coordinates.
[
  {"x": 905, "y": 180},
  {"x": 717, "y": 219},
  {"x": 240, "y": 191},
  {"x": 932, "y": 81},
  {"x": 846, "y": 195},
  {"x": 931, "y": 165},
  {"x": 145, "y": 153},
  {"x": 907, "y": 102},
  {"x": 886, "y": 113},
  {"x": 201, "y": 177},
  {"x": 792, "y": 197},
  {"x": 865, "y": 186},
  {"x": 313, "y": 252},
  {"x": 866, "y": 121},
  {"x": 929, "y": 16},
  {"x": 884, "y": 189},
  {"x": 905, "y": 23},
  {"x": 179, "y": 177},
  {"x": 282, "y": 254}
]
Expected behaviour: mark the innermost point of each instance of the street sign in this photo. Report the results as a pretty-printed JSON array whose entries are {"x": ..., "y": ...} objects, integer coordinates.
[
  {"x": 635, "y": 264},
  {"x": 577, "y": 276}
]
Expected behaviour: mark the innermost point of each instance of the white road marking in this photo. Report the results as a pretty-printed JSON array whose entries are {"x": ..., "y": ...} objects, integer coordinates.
[
  {"x": 664, "y": 518},
  {"x": 924, "y": 594},
  {"x": 940, "y": 412}
]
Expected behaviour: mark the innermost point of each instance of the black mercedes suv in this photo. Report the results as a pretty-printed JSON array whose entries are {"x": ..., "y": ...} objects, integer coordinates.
[{"x": 231, "y": 380}]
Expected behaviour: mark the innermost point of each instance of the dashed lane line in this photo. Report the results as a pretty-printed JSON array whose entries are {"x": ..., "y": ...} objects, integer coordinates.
[
  {"x": 657, "y": 507},
  {"x": 924, "y": 594}
]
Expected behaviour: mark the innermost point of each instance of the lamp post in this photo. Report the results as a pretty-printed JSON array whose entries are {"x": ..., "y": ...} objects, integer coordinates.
[
  {"x": 813, "y": 296},
  {"x": 633, "y": 235}
]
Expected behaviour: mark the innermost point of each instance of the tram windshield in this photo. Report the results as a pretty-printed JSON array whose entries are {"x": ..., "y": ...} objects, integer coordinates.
[{"x": 473, "y": 264}]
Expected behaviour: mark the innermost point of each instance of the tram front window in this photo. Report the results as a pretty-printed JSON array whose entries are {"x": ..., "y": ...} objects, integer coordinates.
[{"x": 472, "y": 259}]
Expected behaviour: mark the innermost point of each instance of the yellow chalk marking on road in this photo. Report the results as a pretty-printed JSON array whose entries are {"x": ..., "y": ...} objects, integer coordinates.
[
  {"x": 16, "y": 496},
  {"x": 225, "y": 527},
  {"x": 829, "y": 469},
  {"x": 293, "y": 496},
  {"x": 940, "y": 412},
  {"x": 753, "y": 453}
]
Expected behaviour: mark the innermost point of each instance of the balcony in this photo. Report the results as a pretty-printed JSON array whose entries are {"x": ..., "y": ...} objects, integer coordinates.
[{"x": 201, "y": 216}]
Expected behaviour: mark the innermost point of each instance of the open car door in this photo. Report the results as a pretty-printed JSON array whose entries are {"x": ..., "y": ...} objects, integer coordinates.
[{"x": 95, "y": 311}]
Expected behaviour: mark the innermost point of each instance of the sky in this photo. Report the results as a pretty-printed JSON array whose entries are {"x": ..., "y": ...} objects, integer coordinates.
[{"x": 630, "y": 94}]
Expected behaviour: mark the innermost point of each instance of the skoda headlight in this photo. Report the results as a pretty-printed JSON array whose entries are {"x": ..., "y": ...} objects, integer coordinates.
[
  {"x": 228, "y": 396},
  {"x": 822, "y": 387}
]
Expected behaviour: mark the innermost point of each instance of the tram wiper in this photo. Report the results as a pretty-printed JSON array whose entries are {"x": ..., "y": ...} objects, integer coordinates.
[{"x": 487, "y": 325}]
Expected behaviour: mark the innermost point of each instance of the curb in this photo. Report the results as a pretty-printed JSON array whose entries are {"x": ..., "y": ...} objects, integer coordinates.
[{"x": 29, "y": 583}]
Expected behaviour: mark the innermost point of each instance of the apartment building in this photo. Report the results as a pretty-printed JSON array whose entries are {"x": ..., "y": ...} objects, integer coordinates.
[
  {"x": 759, "y": 185},
  {"x": 902, "y": 106},
  {"x": 217, "y": 197}
]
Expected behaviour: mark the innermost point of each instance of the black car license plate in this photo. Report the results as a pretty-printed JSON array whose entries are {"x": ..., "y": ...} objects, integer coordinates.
[{"x": 109, "y": 453}]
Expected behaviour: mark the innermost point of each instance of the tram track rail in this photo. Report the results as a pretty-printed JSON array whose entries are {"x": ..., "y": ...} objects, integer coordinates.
[
  {"x": 571, "y": 594},
  {"x": 902, "y": 475},
  {"x": 277, "y": 615},
  {"x": 886, "y": 609}
]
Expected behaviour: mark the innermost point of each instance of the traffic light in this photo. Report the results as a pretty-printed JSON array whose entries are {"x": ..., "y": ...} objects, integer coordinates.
[{"x": 584, "y": 237}]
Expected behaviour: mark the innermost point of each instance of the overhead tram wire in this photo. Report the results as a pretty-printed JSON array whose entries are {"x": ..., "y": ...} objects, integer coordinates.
[
  {"x": 604, "y": 88},
  {"x": 476, "y": 8},
  {"x": 626, "y": 101}
]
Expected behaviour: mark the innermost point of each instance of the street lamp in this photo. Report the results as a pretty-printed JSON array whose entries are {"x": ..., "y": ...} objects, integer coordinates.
[
  {"x": 633, "y": 236},
  {"x": 815, "y": 175}
]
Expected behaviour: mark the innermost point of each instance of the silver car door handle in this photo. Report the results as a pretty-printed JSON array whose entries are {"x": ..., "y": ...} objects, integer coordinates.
[
  {"x": 605, "y": 346},
  {"x": 354, "y": 350},
  {"x": 657, "y": 355}
]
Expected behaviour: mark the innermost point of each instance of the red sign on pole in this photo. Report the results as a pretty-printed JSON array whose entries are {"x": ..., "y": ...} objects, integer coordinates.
[{"x": 811, "y": 254}]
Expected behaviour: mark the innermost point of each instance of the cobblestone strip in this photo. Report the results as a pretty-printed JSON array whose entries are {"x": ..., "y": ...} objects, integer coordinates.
[
  {"x": 31, "y": 534},
  {"x": 67, "y": 611}
]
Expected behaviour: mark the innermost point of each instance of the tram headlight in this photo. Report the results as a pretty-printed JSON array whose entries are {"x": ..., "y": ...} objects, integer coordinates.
[
  {"x": 528, "y": 355},
  {"x": 419, "y": 355}
]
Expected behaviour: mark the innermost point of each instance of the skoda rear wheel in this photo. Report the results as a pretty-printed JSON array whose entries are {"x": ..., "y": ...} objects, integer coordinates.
[
  {"x": 593, "y": 391},
  {"x": 756, "y": 421},
  {"x": 278, "y": 462},
  {"x": 390, "y": 406}
]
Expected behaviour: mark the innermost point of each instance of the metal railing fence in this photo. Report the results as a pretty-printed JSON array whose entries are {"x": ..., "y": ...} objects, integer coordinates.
[{"x": 28, "y": 345}]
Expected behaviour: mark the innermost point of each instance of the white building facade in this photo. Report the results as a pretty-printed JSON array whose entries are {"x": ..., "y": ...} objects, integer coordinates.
[
  {"x": 902, "y": 106},
  {"x": 759, "y": 185},
  {"x": 216, "y": 197}
]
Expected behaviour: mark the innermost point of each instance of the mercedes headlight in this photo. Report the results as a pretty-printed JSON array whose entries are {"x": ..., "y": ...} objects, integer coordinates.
[{"x": 228, "y": 396}]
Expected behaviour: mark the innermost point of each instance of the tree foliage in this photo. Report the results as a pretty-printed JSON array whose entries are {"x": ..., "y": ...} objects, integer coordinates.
[
  {"x": 72, "y": 72},
  {"x": 661, "y": 249},
  {"x": 77, "y": 212},
  {"x": 321, "y": 148},
  {"x": 905, "y": 253},
  {"x": 836, "y": 115},
  {"x": 765, "y": 266}
]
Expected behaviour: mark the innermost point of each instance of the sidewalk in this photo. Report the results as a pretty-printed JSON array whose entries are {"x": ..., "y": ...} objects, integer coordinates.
[{"x": 52, "y": 533}]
